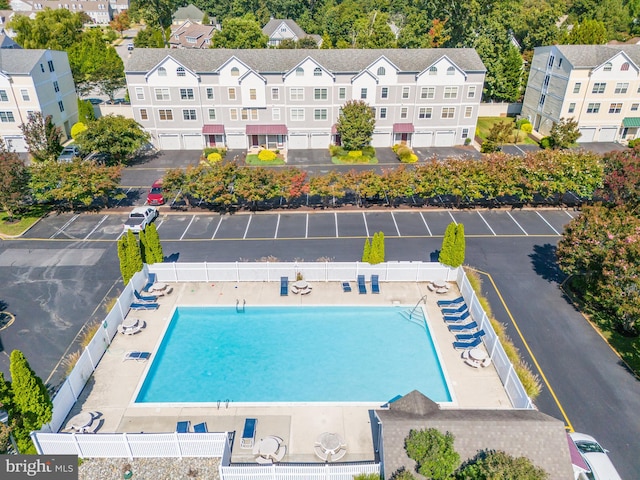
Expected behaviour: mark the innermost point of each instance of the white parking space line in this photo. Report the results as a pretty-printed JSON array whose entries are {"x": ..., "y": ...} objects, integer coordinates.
[
  {"x": 217, "y": 227},
  {"x": 396, "y": 224},
  {"x": 126, "y": 193},
  {"x": 486, "y": 223},
  {"x": 159, "y": 224},
  {"x": 186, "y": 229},
  {"x": 451, "y": 215},
  {"x": 567, "y": 212},
  {"x": 246, "y": 230},
  {"x": 366, "y": 227},
  {"x": 275, "y": 235},
  {"x": 335, "y": 215},
  {"x": 516, "y": 222},
  {"x": 60, "y": 230},
  {"x": 96, "y": 227},
  {"x": 306, "y": 226},
  {"x": 545, "y": 221},
  {"x": 426, "y": 224}
]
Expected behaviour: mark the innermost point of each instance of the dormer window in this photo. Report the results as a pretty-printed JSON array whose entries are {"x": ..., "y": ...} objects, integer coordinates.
[
  {"x": 451, "y": 71},
  {"x": 162, "y": 72},
  {"x": 433, "y": 70},
  {"x": 624, "y": 67},
  {"x": 381, "y": 71},
  {"x": 607, "y": 67},
  {"x": 180, "y": 71},
  {"x": 235, "y": 72},
  {"x": 299, "y": 72},
  {"x": 317, "y": 72},
  {"x": 191, "y": 40}
]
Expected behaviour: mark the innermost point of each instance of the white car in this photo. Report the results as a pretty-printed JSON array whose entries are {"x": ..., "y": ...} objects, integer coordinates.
[
  {"x": 139, "y": 218},
  {"x": 596, "y": 458}
]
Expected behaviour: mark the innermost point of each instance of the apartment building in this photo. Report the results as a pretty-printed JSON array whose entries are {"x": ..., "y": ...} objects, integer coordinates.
[
  {"x": 191, "y": 98},
  {"x": 596, "y": 85},
  {"x": 31, "y": 81},
  {"x": 100, "y": 11}
]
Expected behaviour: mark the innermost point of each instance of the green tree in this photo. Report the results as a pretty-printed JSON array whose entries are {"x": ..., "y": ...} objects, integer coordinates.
[
  {"x": 55, "y": 29},
  {"x": 564, "y": 133},
  {"x": 158, "y": 14},
  {"x": 149, "y": 37},
  {"x": 154, "y": 247},
  {"x": 366, "y": 252},
  {"x": 14, "y": 184},
  {"x": 144, "y": 246},
  {"x": 116, "y": 135},
  {"x": 587, "y": 32},
  {"x": 86, "y": 113},
  {"x": 446, "y": 256},
  {"x": 355, "y": 125},
  {"x": 499, "y": 134},
  {"x": 42, "y": 137},
  {"x": 459, "y": 246},
  {"x": 205, "y": 19},
  {"x": 377, "y": 248},
  {"x": 120, "y": 22},
  {"x": 433, "y": 452},
  {"x": 244, "y": 32},
  {"x": 498, "y": 465},
  {"x": 307, "y": 42},
  {"x": 123, "y": 243},
  {"x": 373, "y": 31}
]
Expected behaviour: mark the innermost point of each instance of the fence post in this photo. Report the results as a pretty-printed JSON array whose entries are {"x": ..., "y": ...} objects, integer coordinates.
[
  {"x": 206, "y": 272},
  {"x": 237, "y": 272},
  {"x": 125, "y": 439}
]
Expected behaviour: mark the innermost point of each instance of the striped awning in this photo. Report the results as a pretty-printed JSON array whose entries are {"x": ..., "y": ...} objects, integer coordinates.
[
  {"x": 403, "y": 128},
  {"x": 631, "y": 122},
  {"x": 213, "y": 129},
  {"x": 267, "y": 130}
]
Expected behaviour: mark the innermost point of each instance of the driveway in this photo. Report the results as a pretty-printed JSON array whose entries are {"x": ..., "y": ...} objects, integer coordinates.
[{"x": 601, "y": 147}]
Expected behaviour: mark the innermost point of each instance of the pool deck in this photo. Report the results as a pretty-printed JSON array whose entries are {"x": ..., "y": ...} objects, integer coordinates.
[{"x": 111, "y": 389}]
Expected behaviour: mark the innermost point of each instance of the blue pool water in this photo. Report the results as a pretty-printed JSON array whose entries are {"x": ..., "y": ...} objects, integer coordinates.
[{"x": 292, "y": 354}]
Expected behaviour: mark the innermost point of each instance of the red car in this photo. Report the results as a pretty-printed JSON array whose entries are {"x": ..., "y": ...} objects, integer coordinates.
[{"x": 155, "y": 196}]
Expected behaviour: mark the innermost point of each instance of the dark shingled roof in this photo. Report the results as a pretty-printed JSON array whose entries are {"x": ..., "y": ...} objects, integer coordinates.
[
  {"x": 521, "y": 433},
  {"x": 589, "y": 56},
  {"x": 19, "y": 61},
  {"x": 275, "y": 60}
]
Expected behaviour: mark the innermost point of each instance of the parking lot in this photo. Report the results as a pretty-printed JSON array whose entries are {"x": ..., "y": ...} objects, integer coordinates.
[{"x": 310, "y": 225}]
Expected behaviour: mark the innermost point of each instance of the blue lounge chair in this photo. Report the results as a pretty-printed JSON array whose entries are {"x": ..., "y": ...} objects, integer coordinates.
[
  {"x": 144, "y": 306},
  {"x": 145, "y": 298},
  {"x": 362, "y": 288},
  {"x": 183, "y": 427},
  {"x": 375, "y": 286},
  {"x": 200, "y": 428},
  {"x": 453, "y": 311},
  {"x": 449, "y": 303},
  {"x": 284, "y": 286},
  {"x": 467, "y": 345},
  {"x": 249, "y": 433},
  {"x": 456, "y": 318},
  {"x": 141, "y": 356},
  {"x": 346, "y": 287},
  {"x": 461, "y": 337},
  {"x": 461, "y": 328},
  {"x": 151, "y": 281}
]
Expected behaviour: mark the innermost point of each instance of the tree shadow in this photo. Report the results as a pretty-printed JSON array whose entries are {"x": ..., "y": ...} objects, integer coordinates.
[
  {"x": 545, "y": 263},
  {"x": 171, "y": 258},
  {"x": 433, "y": 256}
]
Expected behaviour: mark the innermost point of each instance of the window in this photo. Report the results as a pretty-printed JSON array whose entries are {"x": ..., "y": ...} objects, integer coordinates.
[
  {"x": 235, "y": 72},
  {"x": 403, "y": 112},
  {"x": 297, "y": 114},
  {"x": 189, "y": 114},
  {"x": 448, "y": 112},
  {"x": 299, "y": 72},
  {"x": 551, "y": 60},
  {"x": 244, "y": 114},
  {"x": 621, "y": 87},
  {"x": 572, "y": 107},
  {"x": 7, "y": 117},
  {"x": 186, "y": 94},
  {"x": 25, "y": 95},
  {"x": 624, "y": 67},
  {"x": 56, "y": 87},
  {"x": 253, "y": 94},
  {"x": 166, "y": 114},
  {"x": 342, "y": 93},
  {"x": 384, "y": 93},
  {"x": 143, "y": 114},
  {"x": 383, "y": 112},
  {"x": 212, "y": 114},
  {"x": 320, "y": 93},
  {"x": 381, "y": 72},
  {"x": 598, "y": 87},
  {"x": 254, "y": 114},
  {"x": 42, "y": 68},
  {"x": 317, "y": 72},
  {"x": 363, "y": 93},
  {"x": 433, "y": 70},
  {"x": 634, "y": 107},
  {"x": 543, "y": 97},
  {"x": 545, "y": 83},
  {"x": 139, "y": 93},
  {"x": 275, "y": 114},
  {"x": 607, "y": 67},
  {"x": 162, "y": 72},
  {"x": 50, "y": 63},
  {"x": 209, "y": 93},
  {"x": 593, "y": 108},
  {"x": 471, "y": 93},
  {"x": 180, "y": 71},
  {"x": 576, "y": 87},
  {"x": 296, "y": 94},
  {"x": 451, "y": 71},
  {"x": 465, "y": 132},
  {"x": 428, "y": 92},
  {"x": 559, "y": 62},
  {"x": 425, "y": 112},
  {"x": 450, "y": 92},
  {"x": 232, "y": 93},
  {"x": 233, "y": 113},
  {"x": 468, "y": 111},
  {"x": 405, "y": 92},
  {"x": 162, "y": 94},
  {"x": 320, "y": 114},
  {"x": 275, "y": 94},
  {"x": 615, "y": 108},
  {"x": 61, "y": 106},
  {"x": 3, "y": 96}
]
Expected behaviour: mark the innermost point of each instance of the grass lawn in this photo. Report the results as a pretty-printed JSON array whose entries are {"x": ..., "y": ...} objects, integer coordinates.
[
  {"x": 16, "y": 227},
  {"x": 485, "y": 124},
  {"x": 254, "y": 160},
  {"x": 346, "y": 160}
]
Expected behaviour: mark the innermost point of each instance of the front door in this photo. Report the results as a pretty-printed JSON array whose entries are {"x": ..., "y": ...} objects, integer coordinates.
[
  {"x": 255, "y": 141},
  {"x": 404, "y": 137}
]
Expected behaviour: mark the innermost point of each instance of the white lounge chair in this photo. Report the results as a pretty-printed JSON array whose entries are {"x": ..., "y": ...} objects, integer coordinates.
[
  {"x": 280, "y": 453},
  {"x": 339, "y": 454},
  {"x": 320, "y": 453},
  {"x": 263, "y": 461}
]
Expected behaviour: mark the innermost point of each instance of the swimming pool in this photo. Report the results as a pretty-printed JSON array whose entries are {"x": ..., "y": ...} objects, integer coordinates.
[{"x": 292, "y": 354}]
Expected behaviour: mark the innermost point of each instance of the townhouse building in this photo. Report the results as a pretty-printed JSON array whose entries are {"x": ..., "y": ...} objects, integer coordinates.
[
  {"x": 191, "y": 98},
  {"x": 596, "y": 85},
  {"x": 32, "y": 81},
  {"x": 100, "y": 11}
]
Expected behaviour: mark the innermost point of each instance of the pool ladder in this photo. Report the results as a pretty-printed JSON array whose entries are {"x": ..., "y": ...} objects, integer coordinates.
[
  {"x": 226, "y": 403},
  {"x": 240, "y": 308}
]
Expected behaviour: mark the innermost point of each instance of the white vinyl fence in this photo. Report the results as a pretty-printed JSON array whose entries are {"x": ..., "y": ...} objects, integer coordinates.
[{"x": 325, "y": 471}]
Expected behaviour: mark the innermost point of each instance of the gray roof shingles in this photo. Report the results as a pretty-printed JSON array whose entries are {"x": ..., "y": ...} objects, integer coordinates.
[
  {"x": 589, "y": 56},
  {"x": 19, "y": 61},
  {"x": 274, "y": 23}
]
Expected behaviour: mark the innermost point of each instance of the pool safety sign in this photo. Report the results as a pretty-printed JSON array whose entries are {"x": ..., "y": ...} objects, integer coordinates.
[{"x": 39, "y": 467}]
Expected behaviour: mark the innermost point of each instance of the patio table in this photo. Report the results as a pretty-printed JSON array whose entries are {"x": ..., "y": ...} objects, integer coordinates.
[
  {"x": 130, "y": 322},
  {"x": 80, "y": 421},
  {"x": 477, "y": 354},
  {"x": 157, "y": 287},
  {"x": 330, "y": 442},
  {"x": 267, "y": 447}
]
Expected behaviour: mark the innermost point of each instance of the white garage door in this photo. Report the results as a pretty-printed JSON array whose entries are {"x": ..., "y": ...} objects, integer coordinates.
[
  {"x": 381, "y": 140},
  {"x": 169, "y": 142},
  {"x": 607, "y": 134},
  {"x": 422, "y": 139},
  {"x": 16, "y": 144},
  {"x": 587, "y": 134},
  {"x": 298, "y": 141},
  {"x": 320, "y": 140},
  {"x": 236, "y": 141},
  {"x": 192, "y": 142},
  {"x": 445, "y": 139}
]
